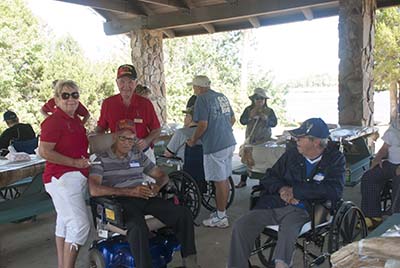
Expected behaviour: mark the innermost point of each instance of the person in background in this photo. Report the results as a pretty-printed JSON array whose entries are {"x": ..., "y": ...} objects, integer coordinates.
[
  {"x": 119, "y": 173},
  {"x": 16, "y": 131},
  {"x": 258, "y": 119},
  {"x": 50, "y": 106},
  {"x": 314, "y": 170},
  {"x": 214, "y": 117},
  {"x": 129, "y": 105},
  {"x": 176, "y": 146},
  {"x": 64, "y": 145},
  {"x": 383, "y": 168},
  {"x": 143, "y": 91}
]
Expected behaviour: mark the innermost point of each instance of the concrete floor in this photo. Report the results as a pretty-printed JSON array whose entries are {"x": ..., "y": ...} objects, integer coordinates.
[{"x": 31, "y": 244}]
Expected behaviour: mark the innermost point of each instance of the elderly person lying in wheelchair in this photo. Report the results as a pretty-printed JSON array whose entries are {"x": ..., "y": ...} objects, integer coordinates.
[
  {"x": 118, "y": 172},
  {"x": 309, "y": 172}
]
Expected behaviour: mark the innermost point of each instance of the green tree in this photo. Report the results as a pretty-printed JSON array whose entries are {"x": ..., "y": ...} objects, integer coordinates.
[
  {"x": 387, "y": 54},
  {"x": 21, "y": 59},
  {"x": 219, "y": 57},
  {"x": 31, "y": 57}
]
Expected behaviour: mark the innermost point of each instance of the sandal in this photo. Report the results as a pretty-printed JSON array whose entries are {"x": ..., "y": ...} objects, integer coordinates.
[{"x": 241, "y": 184}]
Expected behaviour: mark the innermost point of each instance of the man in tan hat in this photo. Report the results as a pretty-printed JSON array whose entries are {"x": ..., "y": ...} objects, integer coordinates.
[{"x": 214, "y": 117}]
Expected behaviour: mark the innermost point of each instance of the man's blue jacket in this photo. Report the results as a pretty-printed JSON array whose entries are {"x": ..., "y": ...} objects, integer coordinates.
[{"x": 325, "y": 183}]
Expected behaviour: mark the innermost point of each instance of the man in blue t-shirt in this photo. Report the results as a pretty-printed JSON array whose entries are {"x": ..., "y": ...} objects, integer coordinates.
[{"x": 214, "y": 117}]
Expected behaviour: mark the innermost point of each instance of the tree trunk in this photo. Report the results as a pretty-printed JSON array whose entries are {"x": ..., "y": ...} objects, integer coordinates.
[{"x": 393, "y": 100}]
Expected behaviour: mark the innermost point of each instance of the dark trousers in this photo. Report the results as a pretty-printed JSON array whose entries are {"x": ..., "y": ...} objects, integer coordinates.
[
  {"x": 177, "y": 217},
  {"x": 372, "y": 184}
]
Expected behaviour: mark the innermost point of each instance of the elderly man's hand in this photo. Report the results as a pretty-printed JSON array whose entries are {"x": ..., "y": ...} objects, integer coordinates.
[
  {"x": 142, "y": 144},
  {"x": 142, "y": 191},
  {"x": 155, "y": 189},
  {"x": 286, "y": 194}
]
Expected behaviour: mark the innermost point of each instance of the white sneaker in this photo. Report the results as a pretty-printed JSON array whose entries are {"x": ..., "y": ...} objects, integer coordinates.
[{"x": 215, "y": 221}]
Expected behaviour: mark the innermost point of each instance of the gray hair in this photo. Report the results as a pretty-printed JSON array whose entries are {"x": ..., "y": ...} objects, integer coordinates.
[
  {"x": 64, "y": 83},
  {"x": 323, "y": 143}
]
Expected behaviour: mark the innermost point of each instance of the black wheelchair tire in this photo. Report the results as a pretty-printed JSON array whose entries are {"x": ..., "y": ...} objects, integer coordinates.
[
  {"x": 208, "y": 196},
  {"x": 96, "y": 259},
  {"x": 188, "y": 191},
  {"x": 347, "y": 226},
  {"x": 265, "y": 255}
]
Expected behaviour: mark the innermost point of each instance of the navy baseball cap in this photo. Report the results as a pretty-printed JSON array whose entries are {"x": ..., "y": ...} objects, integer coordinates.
[
  {"x": 9, "y": 115},
  {"x": 315, "y": 127}
]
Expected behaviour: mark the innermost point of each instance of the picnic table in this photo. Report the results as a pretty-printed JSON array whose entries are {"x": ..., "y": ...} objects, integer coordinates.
[
  {"x": 33, "y": 199},
  {"x": 11, "y": 172}
]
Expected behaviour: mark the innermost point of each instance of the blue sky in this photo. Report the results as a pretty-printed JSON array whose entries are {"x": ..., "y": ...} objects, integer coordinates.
[{"x": 289, "y": 50}]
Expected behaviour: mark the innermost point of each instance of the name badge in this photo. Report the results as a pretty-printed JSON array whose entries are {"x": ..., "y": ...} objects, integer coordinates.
[
  {"x": 138, "y": 120},
  {"x": 319, "y": 177},
  {"x": 134, "y": 164}
]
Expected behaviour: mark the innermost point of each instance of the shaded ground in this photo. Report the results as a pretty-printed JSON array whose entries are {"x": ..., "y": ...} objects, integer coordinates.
[{"x": 32, "y": 244}]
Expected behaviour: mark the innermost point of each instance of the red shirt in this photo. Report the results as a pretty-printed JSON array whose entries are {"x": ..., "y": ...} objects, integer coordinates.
[
  {"x": 69, "y": 135},
  {"x": 50, "y": 107},
  {"x": 141, "y": 111}
]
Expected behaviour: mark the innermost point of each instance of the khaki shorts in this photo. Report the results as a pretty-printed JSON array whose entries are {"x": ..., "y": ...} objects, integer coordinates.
[{"x": 218, "y": 165}]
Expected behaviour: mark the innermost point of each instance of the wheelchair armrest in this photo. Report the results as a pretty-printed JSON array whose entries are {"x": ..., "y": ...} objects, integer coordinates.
[
  {"x": 255, "y": 195},
  {"x": 256, "y": 189},
  {"x": 321, "y": 212}
]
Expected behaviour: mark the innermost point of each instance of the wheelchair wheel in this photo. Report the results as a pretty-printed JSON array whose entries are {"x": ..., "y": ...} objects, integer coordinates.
[
  {"x": 96, "y": 259},
  {"x": 264, "y": 248},
  {"x": 208, "y": 196},
  {"x": 187, "y": 191},
  {"x": 347, "y": 226}
]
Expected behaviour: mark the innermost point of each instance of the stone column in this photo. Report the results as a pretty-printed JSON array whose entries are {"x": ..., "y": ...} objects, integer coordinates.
[
  {"x": 356, "y": 42},
  {"x": 148, "y": 59}
]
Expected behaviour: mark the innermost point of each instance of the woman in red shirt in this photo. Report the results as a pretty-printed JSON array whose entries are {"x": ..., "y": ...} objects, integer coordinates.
[
  {"x": 64, "y": 144},
  {"x": 50, "y": 106}
]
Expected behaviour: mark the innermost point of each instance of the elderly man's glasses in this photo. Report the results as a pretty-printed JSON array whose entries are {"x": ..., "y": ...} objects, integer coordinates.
[
  {"x": 66, "y": 95},
  {"x": 124, "y": 138}
]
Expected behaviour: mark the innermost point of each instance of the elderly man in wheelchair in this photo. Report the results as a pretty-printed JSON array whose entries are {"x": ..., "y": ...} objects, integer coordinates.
[
  {"x": 311, "y": 171},
  {"x": 118, "y": 173}
]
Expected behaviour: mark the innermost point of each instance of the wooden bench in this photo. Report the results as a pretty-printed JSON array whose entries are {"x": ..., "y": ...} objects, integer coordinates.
[
  {"x": 32, "y": 201},
  {"x": 13, "y": 190}
]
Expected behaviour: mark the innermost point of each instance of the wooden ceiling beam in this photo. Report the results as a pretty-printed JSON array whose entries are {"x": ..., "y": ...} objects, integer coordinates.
[
  {"x": 120, "y": 6},
  {"x": 169, "y": 33},
  {"x": 209, "y": 27},
  {"x": 308, "y": 13},
  {"x": 168, "y": 3},
  {"x": 255, "y": 22},
  {"x": 221, "y": 12}
]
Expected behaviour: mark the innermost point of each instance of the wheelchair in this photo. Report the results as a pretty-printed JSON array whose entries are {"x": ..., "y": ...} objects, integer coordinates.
[
  {"x": 193, "y": 169},
  {"x": 112, "y": 249},
  {"x": 331, "y": 227}
]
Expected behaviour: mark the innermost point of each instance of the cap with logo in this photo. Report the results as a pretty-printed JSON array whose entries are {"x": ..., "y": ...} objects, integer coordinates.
[
  {"x": 127, "y": 70},
  {"x": 126, "y": 124},
  {"x": 314, "y": 127},
  {"x": 9, "y": 115},
  {"x": 200, "y": 81}
]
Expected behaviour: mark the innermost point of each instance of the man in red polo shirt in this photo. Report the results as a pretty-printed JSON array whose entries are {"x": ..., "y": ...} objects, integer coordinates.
[{"x": 129, "y": 105}]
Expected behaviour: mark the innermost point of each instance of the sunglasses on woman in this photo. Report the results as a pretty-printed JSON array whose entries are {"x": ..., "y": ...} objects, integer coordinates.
[{"x": 66, "y": 95}]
